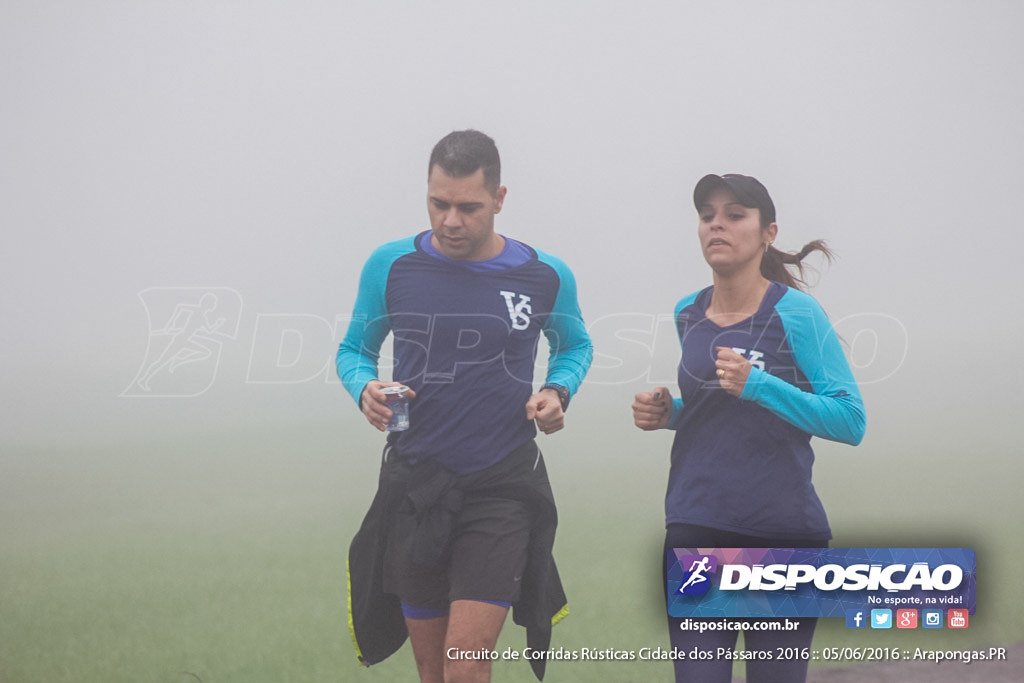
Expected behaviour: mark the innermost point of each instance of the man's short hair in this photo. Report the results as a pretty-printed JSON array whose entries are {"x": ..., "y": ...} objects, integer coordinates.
[{"x": 461, "y": 153}]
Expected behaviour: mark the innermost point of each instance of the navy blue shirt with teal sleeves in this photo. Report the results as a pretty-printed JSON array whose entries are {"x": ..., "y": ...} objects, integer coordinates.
[
  {"x": 465, "y": 339},
  {"x": 744, "y": 464}
]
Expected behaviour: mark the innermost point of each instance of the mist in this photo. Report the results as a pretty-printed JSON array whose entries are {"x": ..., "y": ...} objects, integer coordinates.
[{"x": 230, "y": 166}]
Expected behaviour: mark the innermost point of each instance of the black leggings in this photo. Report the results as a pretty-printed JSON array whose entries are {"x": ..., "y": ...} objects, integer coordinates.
[{"x": 787, "y": 669}]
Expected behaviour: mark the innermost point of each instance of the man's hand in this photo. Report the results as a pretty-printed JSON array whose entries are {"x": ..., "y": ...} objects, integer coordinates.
[
  {"x": 545, "y": 407},
  {"x": 371, "y": 402},
  {"x": 652, "y": 409}
]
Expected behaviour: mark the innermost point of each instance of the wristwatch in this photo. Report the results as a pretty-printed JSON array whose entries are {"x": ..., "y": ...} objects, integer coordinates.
[{"x": 563, "y": 394}]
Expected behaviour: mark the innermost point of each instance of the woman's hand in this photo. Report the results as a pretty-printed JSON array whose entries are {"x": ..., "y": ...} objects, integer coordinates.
[
  {"x": 652, "y": 409},
  {"x": 733, "y": 370}
]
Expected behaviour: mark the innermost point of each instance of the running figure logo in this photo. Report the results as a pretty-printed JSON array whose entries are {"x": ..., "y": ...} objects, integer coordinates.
[
  {"x": 696, "y": 581},
  {"x": 187, "y": 330}
]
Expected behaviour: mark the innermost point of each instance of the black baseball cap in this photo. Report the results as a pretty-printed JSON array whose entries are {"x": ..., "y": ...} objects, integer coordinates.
[{"x": 748, "y": 190}]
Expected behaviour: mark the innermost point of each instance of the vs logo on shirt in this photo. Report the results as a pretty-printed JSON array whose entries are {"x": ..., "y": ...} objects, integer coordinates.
[
  {"x": 751, "y": 355},
  {"x": 518, "y": 312}
]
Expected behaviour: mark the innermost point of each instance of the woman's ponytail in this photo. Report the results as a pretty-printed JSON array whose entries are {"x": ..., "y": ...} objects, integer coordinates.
[{"x": 775, "y": 261}]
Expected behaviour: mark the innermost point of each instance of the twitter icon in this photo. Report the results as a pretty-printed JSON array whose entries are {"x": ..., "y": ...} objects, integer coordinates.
[{"x": 881, "y": 618}]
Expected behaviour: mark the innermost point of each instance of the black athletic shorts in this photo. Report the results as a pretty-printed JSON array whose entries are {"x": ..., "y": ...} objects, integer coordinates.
[{"x": 484, "y": 558}]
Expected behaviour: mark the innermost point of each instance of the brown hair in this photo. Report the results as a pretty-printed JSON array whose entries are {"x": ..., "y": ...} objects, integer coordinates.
[
  {"x": 775, "y": 261},
  {"x": 463, "y": 152}
]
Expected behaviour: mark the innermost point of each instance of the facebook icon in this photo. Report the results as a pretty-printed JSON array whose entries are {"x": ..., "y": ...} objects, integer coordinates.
[{"x": 855, "y": 618}]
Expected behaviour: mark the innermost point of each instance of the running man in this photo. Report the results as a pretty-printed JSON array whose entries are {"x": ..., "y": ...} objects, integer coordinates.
[
  {"x": 464, "y": 520},
  {"x": 697, "y": 570}
]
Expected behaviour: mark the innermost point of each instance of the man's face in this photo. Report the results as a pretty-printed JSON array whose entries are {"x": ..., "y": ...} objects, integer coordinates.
[{"x": 462, "y": 214}]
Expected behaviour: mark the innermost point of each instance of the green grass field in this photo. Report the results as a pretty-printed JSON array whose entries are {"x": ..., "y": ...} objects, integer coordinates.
[{"x": 222, "y": 556}]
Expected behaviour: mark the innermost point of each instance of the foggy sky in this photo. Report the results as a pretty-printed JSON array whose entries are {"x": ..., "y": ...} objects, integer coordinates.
[{"x": 267, "y": 148}]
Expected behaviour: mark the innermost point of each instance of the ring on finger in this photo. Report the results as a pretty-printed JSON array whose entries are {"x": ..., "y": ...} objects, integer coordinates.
[{"x": 721, "y": 373}]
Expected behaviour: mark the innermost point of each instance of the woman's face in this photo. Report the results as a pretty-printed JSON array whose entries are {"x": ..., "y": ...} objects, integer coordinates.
[{"x": 731, "y": 235}]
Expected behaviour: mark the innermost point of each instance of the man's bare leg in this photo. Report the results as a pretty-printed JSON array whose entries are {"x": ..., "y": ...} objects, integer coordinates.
[
  {"x": 427, "y": 637},
  {"x": 472, "y": 626}
]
